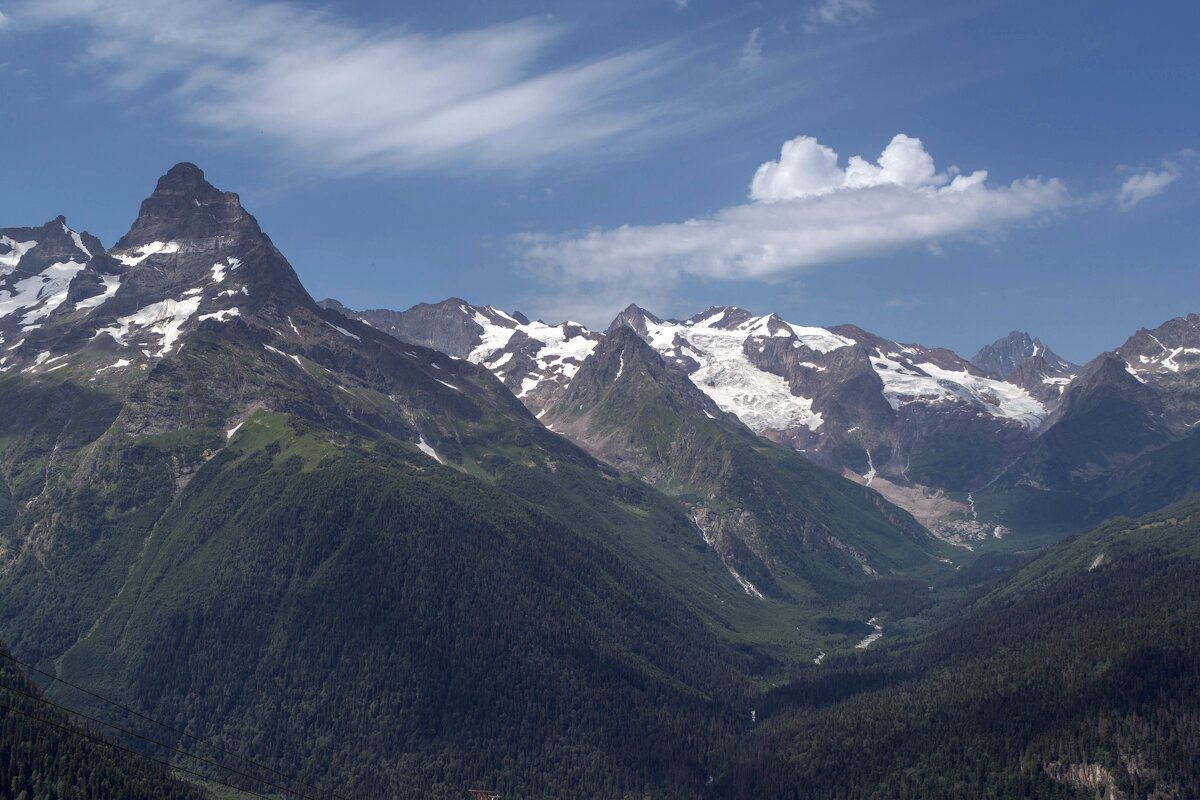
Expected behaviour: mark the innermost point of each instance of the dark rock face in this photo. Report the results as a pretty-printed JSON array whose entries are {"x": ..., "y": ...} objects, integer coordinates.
[
  {"x": 633, "y": 317},
  {"x": 1108, "y": 420},
  {"x": 186, "y": 206},
  {"x": 186, "y": 227},
  {"x": 1043, "y": 378},
  {"x": 448, "y": 326},
  {"x": 1006, "y": 355}
]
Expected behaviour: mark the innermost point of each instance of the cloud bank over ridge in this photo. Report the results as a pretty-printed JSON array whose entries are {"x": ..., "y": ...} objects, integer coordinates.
[{"x": 805, "y": 210}]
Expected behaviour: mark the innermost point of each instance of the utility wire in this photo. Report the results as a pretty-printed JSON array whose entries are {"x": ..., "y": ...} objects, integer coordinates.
[
  {"x": 98, "y": 740},
  {"x": 171, "y": 728},
  {"x": 148, "y": 740}
]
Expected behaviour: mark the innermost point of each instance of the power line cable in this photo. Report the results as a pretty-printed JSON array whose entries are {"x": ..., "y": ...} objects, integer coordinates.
[
  {"x": 148, "y": 740},
  {"x": 171, "y": 728},
  {"x": 130, "y": 751}
]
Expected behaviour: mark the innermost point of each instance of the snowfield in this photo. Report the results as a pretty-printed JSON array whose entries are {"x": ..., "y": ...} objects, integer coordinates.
[
  {"x": 761, "y": 400},
  {"x": 140, "y": 254},
  {"x": 111, "y": 284},
  {"x": 718, "y": 344},
  {"x": 563, "y": 348},
  {"x": 39, "y": 294},
  {"x": 16, "y": 251},
  {"x": 930, "y": 383},
  {"x": 163, "y": 321}
]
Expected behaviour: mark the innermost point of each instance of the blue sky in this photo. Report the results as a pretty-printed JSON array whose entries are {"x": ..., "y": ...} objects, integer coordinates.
[{"x": 400, "y": 153}]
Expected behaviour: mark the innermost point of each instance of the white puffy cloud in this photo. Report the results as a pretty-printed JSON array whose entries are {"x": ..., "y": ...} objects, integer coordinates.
[
  {"x": 345, "y": 97},
  {"x": 805, "y": 211},
  {"x": 807, "y": 168},
  {"x": 1145, "y": 185},
  {"x": 4, "y": 21}
]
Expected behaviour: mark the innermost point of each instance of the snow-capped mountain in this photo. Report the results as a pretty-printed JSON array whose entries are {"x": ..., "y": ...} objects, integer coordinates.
[
  {"x": 847, "y": 398},
  {"x": 533, "y": 359},
  {"x": 195, "y": 273},
  {"x": 47, "y": 271},
  {"x": 1025, "y": 361},
  {"x": 1030, "y": 441},
  {"x": 1167, "y": 359},
  {"x": 850, "y": 399},
  {"x": 192, "y": 255}
]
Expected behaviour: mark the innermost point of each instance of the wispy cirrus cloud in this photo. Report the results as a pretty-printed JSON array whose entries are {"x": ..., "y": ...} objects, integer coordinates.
[
  {"x": 752, "y": 50},
  {"x": 806, "y": 210},
  {"x": 839, "y": 12},
  {"x": 349, "y": 98}
]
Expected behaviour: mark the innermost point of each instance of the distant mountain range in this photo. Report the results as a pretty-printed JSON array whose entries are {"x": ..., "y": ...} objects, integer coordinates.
[{"x": 925, "y": 427}]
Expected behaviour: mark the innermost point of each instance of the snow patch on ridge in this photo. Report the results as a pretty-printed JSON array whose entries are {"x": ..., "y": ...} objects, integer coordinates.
[
  {"x": 224, "y": 315},
  {"x": 111, "y": 284},
  {"x": 344, "y": 332},
  {"x": 279, "y": 352},
  {"x": 120, "y": 362},
  {"x": 1167, "y": 361},
  {"x": 78, "y": 240},
  {"x": 164, "y": 320},
  {"x": 16, "y": 251},
  {"x": 139, "y": 254},
  {"x": 43, "y": 292}
]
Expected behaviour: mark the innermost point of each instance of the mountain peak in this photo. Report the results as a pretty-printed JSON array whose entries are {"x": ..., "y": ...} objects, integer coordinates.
[
  {"x": 184, "y": 174},
  {"x": 625, "y": 363},
  {"x": 635, "y": 317},
  {"x": 185, "y": 206},
  {"x": 1004, "y": 356}
]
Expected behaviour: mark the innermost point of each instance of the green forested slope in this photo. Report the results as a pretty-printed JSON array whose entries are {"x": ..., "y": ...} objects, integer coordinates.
[
  {"x": 1076, "y": 676},
  {"x": 380, "y": 620},
  {"x": 45, "y": 756}
]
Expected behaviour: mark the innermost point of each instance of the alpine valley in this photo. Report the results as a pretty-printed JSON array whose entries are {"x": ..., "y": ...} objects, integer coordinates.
[{"x": 403, "y": 553}]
